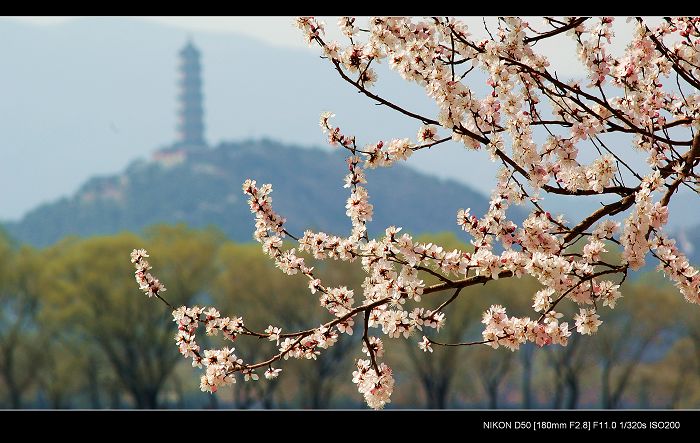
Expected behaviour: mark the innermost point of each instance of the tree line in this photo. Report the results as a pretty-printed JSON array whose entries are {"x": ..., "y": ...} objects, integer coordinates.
[{"x": 75, "y": 333}]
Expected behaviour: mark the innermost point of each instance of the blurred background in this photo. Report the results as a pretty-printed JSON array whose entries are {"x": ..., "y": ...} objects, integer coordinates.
[{"x": 128, "y": 132}]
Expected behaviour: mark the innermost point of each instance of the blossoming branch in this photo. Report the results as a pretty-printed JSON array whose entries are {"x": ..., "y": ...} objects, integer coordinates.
[{"x": 649, "y": 94}]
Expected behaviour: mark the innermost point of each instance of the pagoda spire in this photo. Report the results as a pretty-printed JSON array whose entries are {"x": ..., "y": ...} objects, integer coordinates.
[{"x": 190, "y": 125}]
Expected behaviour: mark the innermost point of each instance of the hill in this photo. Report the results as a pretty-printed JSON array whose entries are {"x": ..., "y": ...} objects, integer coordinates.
[
  {"x": 689, "y": 242},
  {"x": 203, "y": 187},
  {"x": 86, "y": 97},
  {"x": 94, "y": 93}
]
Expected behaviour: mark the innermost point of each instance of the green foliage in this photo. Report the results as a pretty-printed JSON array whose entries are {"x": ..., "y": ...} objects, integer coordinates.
[
  {"x": 77, "y": 332},
  {"x": 89, "y": 287}
]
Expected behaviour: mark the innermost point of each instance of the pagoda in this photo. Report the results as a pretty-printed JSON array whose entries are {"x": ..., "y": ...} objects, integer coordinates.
[{"x": 190, "y": 123}]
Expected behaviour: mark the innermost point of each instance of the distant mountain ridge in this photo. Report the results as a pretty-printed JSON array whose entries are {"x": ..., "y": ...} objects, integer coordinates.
[
  {"x": 88, "y": 96},
  {"x": 689, "y": 242},
  {"x": 202, "y": 187}
]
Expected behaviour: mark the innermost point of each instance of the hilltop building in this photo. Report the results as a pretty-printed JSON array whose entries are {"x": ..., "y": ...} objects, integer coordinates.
[
  {"x": 190, "y": 111},
  {"x": 190, "y": 123}
]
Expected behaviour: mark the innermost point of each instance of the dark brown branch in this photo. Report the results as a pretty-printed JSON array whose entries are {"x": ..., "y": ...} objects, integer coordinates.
[
  {"x": 430, "y": 145},
  {"x": 373, "y": 96},
  {"x": 572, "y": 24},
  {"x": 470, "y": 281},
  {"x": 469, "y": 343},
  {"x": 370, "y": 351},
  {"x": 621, "y": 269},
  {"x": 614, "y": 208},
  {"x": 447, "y": 302},
  {"x": 664, "y": 50},
  {"x": 620, "y": 190},
  {"x": 431, "y": 272},
  {"x": 690, "y": 158}
]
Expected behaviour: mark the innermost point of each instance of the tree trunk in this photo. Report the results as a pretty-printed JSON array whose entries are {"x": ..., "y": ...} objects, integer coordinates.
[
  {"x": 56, "y": 401},
  {"x": 572, "y": 384},
  {"x": 436, "y": 389},
  {"x": 213, "y": 401},
  {"x": 115, "y": 401},
  {"x": 15, "y": 397},
  {"x": 558, "y": 397},
  {"x": 605, "y": 386},
  {"x": 526, "y": 354},
  {"x": 179, "y": 392},
  {"x": 146, "y": 398},
  {"x": 441, "y": 394},
  {"x": 93, "y": 390},
  {"x": 317, "y": 398},
  {"x": 13, "y": 390},
  {"x": 268, "y": 399},
  {"x": 492, "y": 392}
]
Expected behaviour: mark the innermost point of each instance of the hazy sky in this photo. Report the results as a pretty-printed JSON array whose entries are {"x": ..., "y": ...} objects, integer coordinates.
[
  {"x": 280, "y": 31},
  {"x": 108, "y": 152}
]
